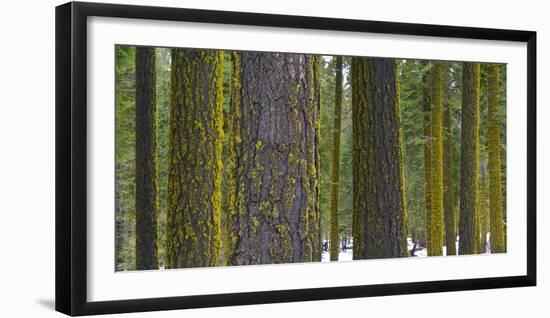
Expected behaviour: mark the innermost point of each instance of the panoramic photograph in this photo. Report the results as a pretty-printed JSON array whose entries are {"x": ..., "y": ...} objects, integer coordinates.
[{"x": 227, "y": 158}]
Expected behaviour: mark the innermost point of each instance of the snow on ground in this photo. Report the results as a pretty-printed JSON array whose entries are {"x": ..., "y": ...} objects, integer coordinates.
[
  {"x": 420, "y": 251},
  {"x": 342, "y": 256}
]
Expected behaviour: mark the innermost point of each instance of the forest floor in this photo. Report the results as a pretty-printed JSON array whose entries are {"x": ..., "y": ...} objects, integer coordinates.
[{"x": 347, "y": 255}]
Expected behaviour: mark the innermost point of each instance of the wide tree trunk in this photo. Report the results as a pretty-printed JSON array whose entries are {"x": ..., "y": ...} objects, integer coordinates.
[
  {"x": 147, "y": 200},
  {"x": 195, "y": 168},
  {"x": 498, "y": 241},
  {"x": 379, "y": 215},
  {"x": 435, "y": 248},
  {"x": 274, "y": 156},
  {"x": 335, "y": 177},
  {"x": 469, "y": 158}
]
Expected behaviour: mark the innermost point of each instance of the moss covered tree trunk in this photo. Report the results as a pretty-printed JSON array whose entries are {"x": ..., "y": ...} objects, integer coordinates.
[
  {"x": 448, "y": 198},
  {"x": 274, "y": 153},
  {"x": 498, "y": 242},
  {"x": 469, "y": 158},
  {"x": 194, "y": 179},
  {"x": 427, "y": 108},
  {"x": 147, "y": 204},
  {"x": 379, "y": 215},
  {"x": 435, "y": 248},
  {"x": 335, "y": 177},
  {"x": 483, "y": 207}
]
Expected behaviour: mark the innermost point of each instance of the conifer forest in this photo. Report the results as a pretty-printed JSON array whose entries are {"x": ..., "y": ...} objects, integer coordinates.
[{"x": 243, "y": 157}]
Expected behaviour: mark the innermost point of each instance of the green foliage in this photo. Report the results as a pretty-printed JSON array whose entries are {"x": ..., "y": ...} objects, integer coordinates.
[
  {"x": 125, "y": 158},
  {"x": 345, "y": 202},
  {"x": 412, "y": 117}
]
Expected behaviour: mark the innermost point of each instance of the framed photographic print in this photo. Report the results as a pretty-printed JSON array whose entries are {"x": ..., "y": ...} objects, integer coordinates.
[{"x": 208, "y": 158}]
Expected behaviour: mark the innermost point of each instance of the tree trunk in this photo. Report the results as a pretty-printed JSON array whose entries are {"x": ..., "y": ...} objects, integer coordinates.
[
  {"x": 437, "y": 215},
  {"x": 335, "y": 178},
  {"x": 498, "y": 242},
  {"x": 147, "y": 200},
  {"x": 274, "y": 157},
  {"x": 450, "y": 231},
  {"x": 483, "y": 207},
  {"x": 469, "y": 158},
  {"x": 379, "y": 214},
  {"x": 195, "y": 168},
  {"x": 427, "y": 108},
  {"x": 120, "y": 221}
]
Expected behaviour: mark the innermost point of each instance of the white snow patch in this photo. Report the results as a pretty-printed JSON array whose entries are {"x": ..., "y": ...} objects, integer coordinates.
[{"x": 342, "y": 256}]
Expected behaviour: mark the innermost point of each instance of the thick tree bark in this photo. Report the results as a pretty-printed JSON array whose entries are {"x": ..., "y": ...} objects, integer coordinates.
[
  {"x": 469, "y": 158},
  {"x": 195, "y": 168},
  {"x": 435, "y": 248},
  {"x": 450, "y": 227},
  {"x": 427, "y": 108},
  {"x": 274, "y": 157},
  {"x": 379, "y": 215},
  {"x": 335, "y": 177},
  {"x": 147, "y": 204},
  {"x": 498, "y": 242}
]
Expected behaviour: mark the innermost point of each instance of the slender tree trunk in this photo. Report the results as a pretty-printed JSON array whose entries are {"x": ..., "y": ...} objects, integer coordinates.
[
  {"x": 379, "y": 213},
  {"x": 274, "y": 153},
  {"x": 498, "y": 242},
  {"x": 483, "y": 207},
  {"x": 427, "y": 108},
  {"x": 195, "y": 168},
  {"x": 469, "y": 158},
  {"x": 147, "y": 200},
  {"x": 450, "y": 227},
  {"x": 437, "y": 215},
  {"x": 120, "y": 221},
  {"x": 335, "y": 178}
]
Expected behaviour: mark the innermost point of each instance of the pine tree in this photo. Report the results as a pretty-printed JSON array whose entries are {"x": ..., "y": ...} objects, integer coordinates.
[
  {"x": 379, "y": 215},
  {"x": 469, "y": 158},
  {"x": 498, "y": 244},
  {"x": 448, "y": 197},
  {"x": 437, "y": 213},
  {"x": 147, "y": 200},
  {"x": 194, "y": 180},
  {"x": 483, "y": 207},
  {"x": 125, "y": 198},
  {"x": 427, "y": 107},
  {"x": 335, "y": 178},
  {"x": 274, "y": 152}
]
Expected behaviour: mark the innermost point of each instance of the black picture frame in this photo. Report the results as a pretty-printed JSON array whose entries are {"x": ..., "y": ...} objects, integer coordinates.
[{"x": 71, "y": 157}]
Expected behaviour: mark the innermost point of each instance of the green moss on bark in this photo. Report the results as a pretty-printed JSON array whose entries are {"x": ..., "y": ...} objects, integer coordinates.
[
  {"x": 435, "y": 248},
  {"x": 498, "y": 242},
  {"x": 195, "y": 168}
]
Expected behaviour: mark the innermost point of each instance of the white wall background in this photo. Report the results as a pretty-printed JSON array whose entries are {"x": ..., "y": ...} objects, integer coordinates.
[{"x": 27, "y": 158}]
